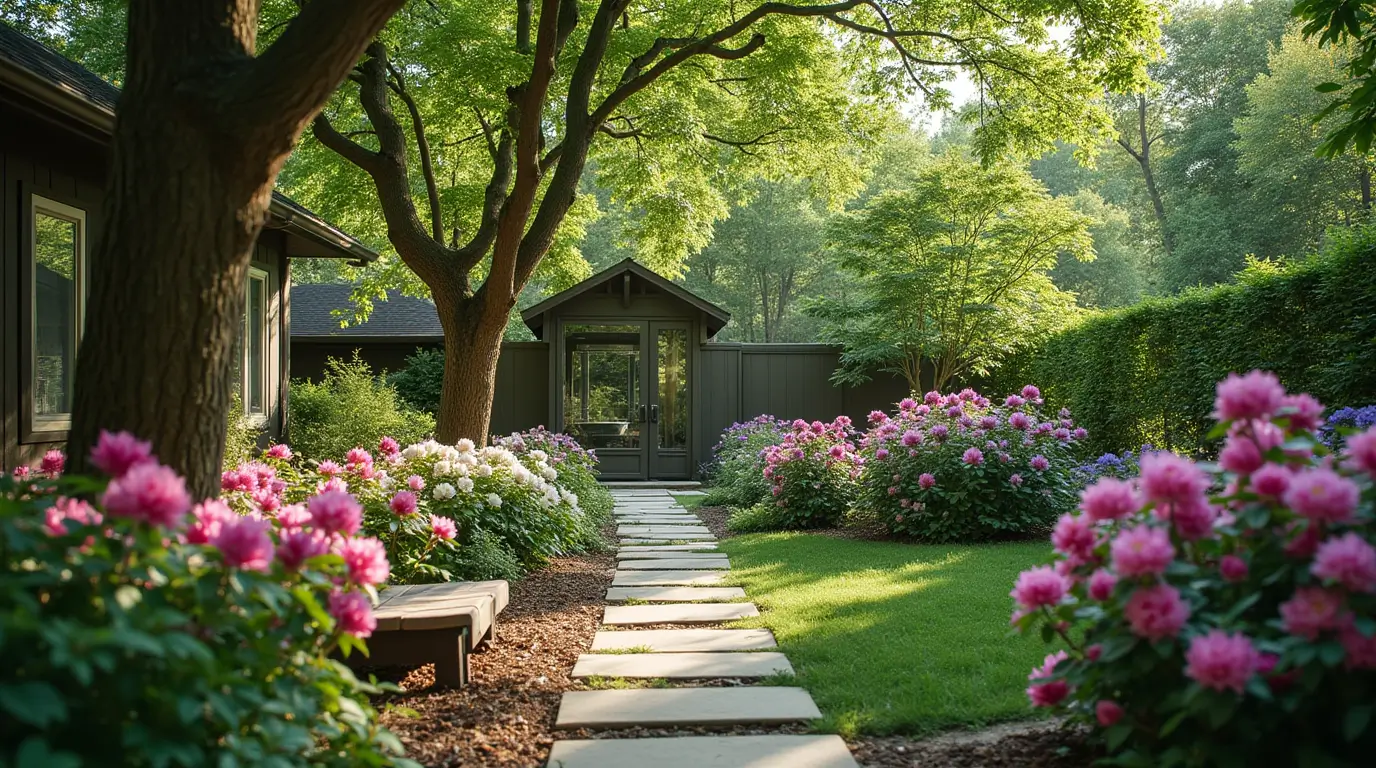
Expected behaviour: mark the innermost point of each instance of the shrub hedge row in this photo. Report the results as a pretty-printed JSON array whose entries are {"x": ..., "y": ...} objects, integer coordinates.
[{"x": 1146, "y": 374}]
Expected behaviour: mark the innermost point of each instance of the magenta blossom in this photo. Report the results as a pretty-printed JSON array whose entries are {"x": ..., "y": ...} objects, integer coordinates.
[
  {"x": 1109, "y": 499},
  {"x": 148, "y": 492},
  {"x": 1107, "y": 712},
  {"x": 1074, "y": 535},
  {"x": 1039, "y": 588},
  {"x": 443, "y": 527},
  {"x": 298, "y": 546},
  {"x": 1233, "y": 569},
  {"x": 1101, "y": 584},
  {"x": 973, "y": 457},
  {"x": 336, "y": 512},
  {"x": 1348, "y": 560},
  {"x": 1156, "y": 612},
  {"x": 1304, "y": 411},
  {"x": 329, "y": 468},
  {"x": 366, "y": 559},
  {"x": 1240, "y": 455},
  {"x": 293, "y": 517},
  {"x": 1359, "y": 649},
  {"x": 1361, "y": 451},
  {"x": 1031, "y": 393},
  {"x": 926, "y": 481},
  {"x": 388, "y": 446},
  {"x": 1015, "y": 480},
  {"x": 1039, "y": 463},
  {"x": 117, "y": 453},
  {"x": 245, "y": 544},
  {"x": 1051, "y": 692},
  {"x": 53, "y": 462},
  {"x": 1142, "y": 551},
  {"x": 1167, "y": 477},
  {"x": 207, "y": 520},
  {"x": 353, "y": 612},
  {"x": 1322, "y": 495},
  {"x": 279, "y": 451},
  {"x": 1310, "y": 611},
  {"x": 1221, "y": 661},
  {"x": 1255, "y": 395},
  {"x": 1271, "y": 481},
  {"x": 1019, "y": 420},
  {"x": 403, "y": 504},
  {"x": 911, "y": 438},
  {"x": 415, "y": 483}
]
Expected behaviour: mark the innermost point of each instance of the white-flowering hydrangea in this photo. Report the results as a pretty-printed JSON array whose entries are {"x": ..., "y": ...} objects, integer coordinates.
[
  {"x": 484, "y": 470},
  {"x": 465, "y": 445},
  {"x": 443, "y": 492},
  {"x": 493, "y": 500},
  {"x": 550, "y": 474},
  {"x": 465, "y": 484},
  {"x": 539, "y": 455},
  {"x": 442, "y": 468}
]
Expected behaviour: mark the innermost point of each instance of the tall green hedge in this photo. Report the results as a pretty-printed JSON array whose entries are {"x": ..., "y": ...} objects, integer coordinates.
[{"x": 1146, "y": 374}]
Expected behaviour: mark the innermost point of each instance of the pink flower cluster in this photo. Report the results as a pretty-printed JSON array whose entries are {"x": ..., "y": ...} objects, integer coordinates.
[
  {"x": 1169, "y": 553},
  {"x": 823, "y": 450}
]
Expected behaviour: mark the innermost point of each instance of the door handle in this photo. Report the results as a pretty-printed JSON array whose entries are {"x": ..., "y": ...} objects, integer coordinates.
[
  {"x": 642, "y": 413},
  {"x": 654, "y": 414}
]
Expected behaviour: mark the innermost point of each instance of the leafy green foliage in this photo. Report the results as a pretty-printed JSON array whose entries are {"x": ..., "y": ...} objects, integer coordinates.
[
  {"x": 1347, "y": 26},
  {"x": 758, "y": 518},
  {"x": 125, "y": 646},
  {"x": 959, "y": 468},
  {"x": 736, "y": 472},
  {"x": 950, "y": 272},
  {"x": 813, "y": 472},
  {"x": 1146, "y": 374},
  {"x": 241, "y": 436},
  {"x": 419, "y": 383},
  {"x": 350, "y": 407}
]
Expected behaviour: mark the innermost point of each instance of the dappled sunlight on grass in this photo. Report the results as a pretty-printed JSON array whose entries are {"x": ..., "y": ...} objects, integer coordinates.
[{"x": 893, "y": 637}]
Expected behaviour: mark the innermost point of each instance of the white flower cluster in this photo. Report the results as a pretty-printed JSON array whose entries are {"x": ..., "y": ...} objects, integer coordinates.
[{"x": 463, "y": 461}]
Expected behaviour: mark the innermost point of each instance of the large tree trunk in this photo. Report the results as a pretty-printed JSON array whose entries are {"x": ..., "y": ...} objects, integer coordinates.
[
  {"x": 472, "y": 345},
  {"x": 201, "y": 132}
]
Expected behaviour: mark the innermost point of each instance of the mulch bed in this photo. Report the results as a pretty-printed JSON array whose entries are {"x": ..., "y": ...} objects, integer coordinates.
[{"x": 505, "y": 718}]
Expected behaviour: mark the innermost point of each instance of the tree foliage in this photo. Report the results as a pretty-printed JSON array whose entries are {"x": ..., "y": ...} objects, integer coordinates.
[{"x": 951, "y": 272}]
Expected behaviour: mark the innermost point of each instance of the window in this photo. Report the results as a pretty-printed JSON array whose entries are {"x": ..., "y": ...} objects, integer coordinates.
[
  {"x": 57, "y": 269},
  {"x": 250, "y": 354}
]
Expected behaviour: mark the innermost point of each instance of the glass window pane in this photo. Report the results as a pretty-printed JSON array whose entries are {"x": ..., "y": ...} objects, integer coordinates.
[
  {"x": 55, "y": 257},
  {"x": 673, "y": 388},
  {"x": 257, "y": 322},
  {"x": 602, "y": 385}
]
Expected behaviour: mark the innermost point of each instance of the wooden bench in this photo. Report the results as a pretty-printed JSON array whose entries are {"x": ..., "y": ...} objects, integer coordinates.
[{"x": 435, "y": 623}]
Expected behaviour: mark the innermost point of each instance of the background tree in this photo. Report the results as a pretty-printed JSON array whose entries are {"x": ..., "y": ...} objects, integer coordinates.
[
  {"x": 202, "y": 128},
  {"x": 950, "y": 274},
  {"x": 499, "y": 113}
]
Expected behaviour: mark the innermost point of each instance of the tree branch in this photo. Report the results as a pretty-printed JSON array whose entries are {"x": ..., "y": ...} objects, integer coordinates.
[{"x": 427, "y": 167}]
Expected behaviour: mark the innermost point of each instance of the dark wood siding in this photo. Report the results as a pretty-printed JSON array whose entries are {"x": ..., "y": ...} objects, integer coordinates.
[
  {"x": 308, "y": 355},
  {"x": 522, "y": 397}
]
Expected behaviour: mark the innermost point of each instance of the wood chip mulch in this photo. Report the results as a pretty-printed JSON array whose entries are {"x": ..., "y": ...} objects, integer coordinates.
[
  {"x": 1014, "y": 745},
  {"x": 505, "y": 717}
]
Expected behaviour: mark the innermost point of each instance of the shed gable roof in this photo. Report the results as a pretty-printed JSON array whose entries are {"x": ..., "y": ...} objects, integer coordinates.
[
  {"x": 716, "y": 317},
  {"x": 399, "y": 318},
  {"x": 39, "y": 72}
]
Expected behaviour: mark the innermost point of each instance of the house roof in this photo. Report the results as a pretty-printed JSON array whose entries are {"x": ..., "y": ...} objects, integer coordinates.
[
  {"x": 399, "y": 318},
  {"x": 40, "y": 75},
  {"x": 715, "y": 317}
]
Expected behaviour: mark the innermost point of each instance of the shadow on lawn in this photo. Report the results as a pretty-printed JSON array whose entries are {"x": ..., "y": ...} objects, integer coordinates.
[{"x": 893, "y": 638}]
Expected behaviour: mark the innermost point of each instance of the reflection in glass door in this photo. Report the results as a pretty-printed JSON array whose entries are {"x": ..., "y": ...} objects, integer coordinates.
[
  {"x": 603, "y": 406},
  {"x": 670, "y": 408}
]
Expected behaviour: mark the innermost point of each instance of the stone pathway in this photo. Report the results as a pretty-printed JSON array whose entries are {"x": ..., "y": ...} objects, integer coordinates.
[{"x": 668, "y": 567}]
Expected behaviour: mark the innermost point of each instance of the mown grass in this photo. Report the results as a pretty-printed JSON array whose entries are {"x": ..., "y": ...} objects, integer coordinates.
[
  {"x": 893, "y": 638},
  {"x": 689, "y": 502}
]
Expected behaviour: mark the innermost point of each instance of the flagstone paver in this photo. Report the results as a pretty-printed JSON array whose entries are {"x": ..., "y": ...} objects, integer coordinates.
[
  {"x": 677, "y": 613},
  {"x": 682, "y": 665},
  {"x": 651, "y": 538},
  {"x": 633, "y": 529},
  {"x": 719, "y": 563},
  {"x": 673, "y": 594},
  {"x": 698, "y": 548},
  {"x": 773, "y": 751},
  {"x": 651, "y": 553},
  {"x": 666, "y": 578},
  {"x": 685, "y": 640},
  {"x": 685, "y": 706}
]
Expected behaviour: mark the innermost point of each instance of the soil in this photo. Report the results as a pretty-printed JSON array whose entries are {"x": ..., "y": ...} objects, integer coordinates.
[{"x": 1040, "y": 744}]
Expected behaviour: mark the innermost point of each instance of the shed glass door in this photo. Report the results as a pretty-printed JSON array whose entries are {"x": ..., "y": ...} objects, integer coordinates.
[
  {"x": 603, "y": 399},
  {"x": 669, "y": 402}
]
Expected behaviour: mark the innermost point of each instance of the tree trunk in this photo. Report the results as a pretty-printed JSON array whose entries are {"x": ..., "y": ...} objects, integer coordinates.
[
  {"x": 1144, "y": 160},
  {"x": 202, "y": 130},
  {"x": 472, "y": 345}
]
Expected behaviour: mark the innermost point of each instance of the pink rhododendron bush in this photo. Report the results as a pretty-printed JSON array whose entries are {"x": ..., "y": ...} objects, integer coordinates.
[
  {"x": 143, "y": 628},
  {"x": 812, "y": 473},
  {"x": 1220, "y": 614},
  {"x": 444, "y": 512},
  {"x": 958, "y": 467}
]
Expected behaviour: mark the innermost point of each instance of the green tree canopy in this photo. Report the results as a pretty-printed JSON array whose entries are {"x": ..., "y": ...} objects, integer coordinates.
[{"x": 950, "y": 275}]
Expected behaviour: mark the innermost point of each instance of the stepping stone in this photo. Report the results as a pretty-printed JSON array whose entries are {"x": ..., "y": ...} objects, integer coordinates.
[
  {"x": 636, "y": 530},
  {"x": 663, "y": 537},
  {"x": 685, "y": 548},
  {"x": 673, "y": 594},
  {"x": 685, "y": 706},
  {"x": 659, "y": 520},
  {"x": 676, "y": 613},
  {"x": 690, "y": 666},
  {"x": 685, "y": 640},
  {"x": 666, "y": 578},
  {"x": 635, "y": 553},
  {"x": 719, "y": 563},
  {"x": 775, "y": 751}
]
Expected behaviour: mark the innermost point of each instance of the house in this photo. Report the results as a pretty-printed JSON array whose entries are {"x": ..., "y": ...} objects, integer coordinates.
[
  {"x": 624, "y": 361},
  {"x": 395, "y": 329},
  {"x": 56, "y": 120}
]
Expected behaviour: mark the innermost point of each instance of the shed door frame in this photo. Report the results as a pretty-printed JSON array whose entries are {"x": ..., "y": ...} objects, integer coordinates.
[
  {"x": 669, "y": 463},
  {"x": 614, "y": 463}
]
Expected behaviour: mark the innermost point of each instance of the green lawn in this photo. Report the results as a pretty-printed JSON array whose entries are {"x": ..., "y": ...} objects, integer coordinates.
[
  {"x": 893, "y": 638},
  {"x": 689, "y": 502}
]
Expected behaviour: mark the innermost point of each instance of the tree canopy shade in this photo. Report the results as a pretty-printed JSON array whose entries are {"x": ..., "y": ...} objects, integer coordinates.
[
  {"x": 951, "y": 273},
  {"x": 202, "y": 128},
  {"x": 475, "y": 123},
  {"x": 1346, "y": 24}
]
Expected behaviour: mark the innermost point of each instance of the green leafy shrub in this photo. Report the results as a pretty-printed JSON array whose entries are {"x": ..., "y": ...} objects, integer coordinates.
[
  {"x": 419, "y": 383},
  {"x": 142, "y": 632},
  {"x": 1146, "y": 374},
  {"x": 349, "y": 408},
  {"x": 758, "y": 518},
  {"x": 483, "y": 556},
  {"x": 959, "y": 468},
  {"x": 241, "y": 437},
  {"x": 736, "y": 472},
  {"x": 813, "y": 472},
  {"x": 577, "y": 468},
  {"x": 1220, "y": 614}
]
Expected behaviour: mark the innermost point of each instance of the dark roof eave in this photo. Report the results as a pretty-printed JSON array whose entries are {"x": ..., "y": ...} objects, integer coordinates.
[
  {"x": 295, "y": 220},
  {"x": 533, "y": 316},
  {"x": 362, "y": 337}
]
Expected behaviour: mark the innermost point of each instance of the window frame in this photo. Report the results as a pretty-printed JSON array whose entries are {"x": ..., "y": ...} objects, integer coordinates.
[
  {"x": 259, "y": 417},
  {"x": 43, "y": 428}
]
